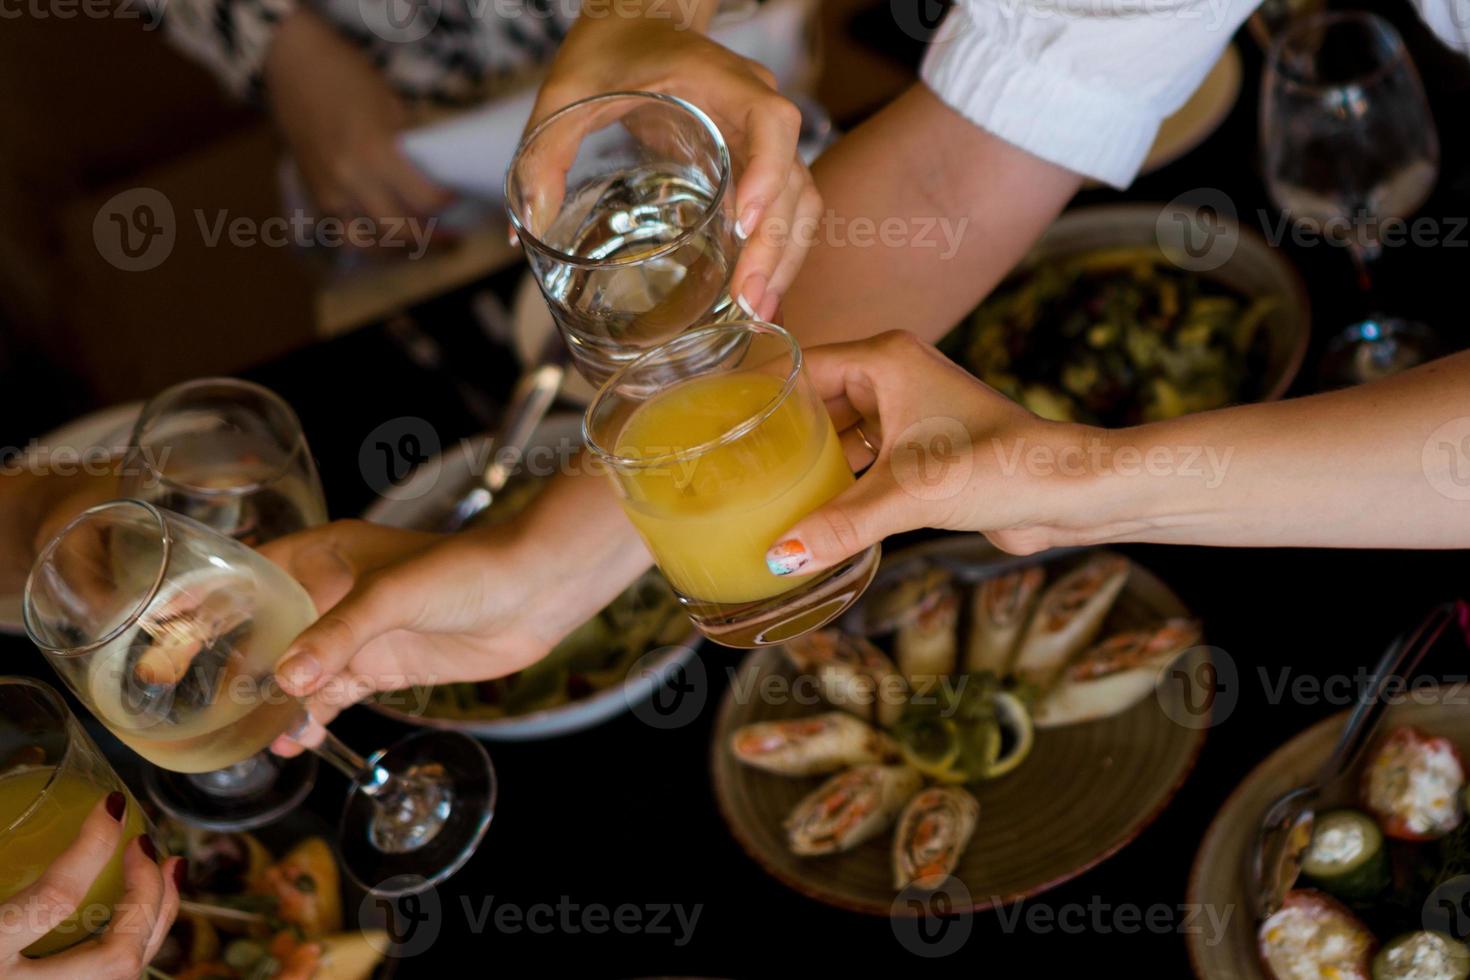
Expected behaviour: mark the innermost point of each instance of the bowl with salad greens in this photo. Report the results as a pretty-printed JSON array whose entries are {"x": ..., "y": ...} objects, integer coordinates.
[
  {"x": 1101, "y": 324},
  {"x": 1384, "y": 889}
]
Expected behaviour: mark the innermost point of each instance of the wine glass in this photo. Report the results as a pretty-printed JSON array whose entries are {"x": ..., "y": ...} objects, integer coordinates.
[
  {"x": 51, "y": 776},
  {"x": 231, "y": 455},
  {"x": 1349, "y": 145},
  {"x": 624, "y": 206},
  {"x": 170, "y": 633},
  {"x": 716, "y": 443}
]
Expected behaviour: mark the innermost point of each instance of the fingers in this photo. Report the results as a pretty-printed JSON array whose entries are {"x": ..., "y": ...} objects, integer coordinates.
[
  {"x": 59, "y": 891},
  {"x": 139, "y": 922},
  {"x": 804, "y": 221},
  {"x": 773, "y": 127},
  {"x": 862, "y": 515},
  {"x": 752, "y": 284}
]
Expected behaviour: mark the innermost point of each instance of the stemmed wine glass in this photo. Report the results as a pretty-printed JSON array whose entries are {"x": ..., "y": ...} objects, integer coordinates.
[
  {"x": 170, "y": 633},
  {"x": 231, "y": 455},
  {"x": 1349, "y": 145}
]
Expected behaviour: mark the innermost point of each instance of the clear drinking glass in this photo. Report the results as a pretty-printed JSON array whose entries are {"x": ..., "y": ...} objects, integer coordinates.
[
  {"x": 624, "y": 205},
  {"x": 1349, "y": 141},
  {"x": 717, "y": 444},
  {"x": 231, "y": 455},
  {"x": 170, "y": 633},
  {"x": 228, "y": 453},
  {"x": 51, "y": 776}
]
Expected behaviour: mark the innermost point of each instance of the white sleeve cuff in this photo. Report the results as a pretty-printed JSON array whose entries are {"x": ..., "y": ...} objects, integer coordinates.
[{"x": 1039, "y": 107}]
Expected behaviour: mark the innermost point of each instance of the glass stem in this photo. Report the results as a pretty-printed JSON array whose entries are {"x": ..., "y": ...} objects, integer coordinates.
[{"x": 372, "y": 779}]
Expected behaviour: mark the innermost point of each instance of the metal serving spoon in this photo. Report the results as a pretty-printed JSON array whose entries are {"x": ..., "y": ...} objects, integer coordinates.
[
  {"x": 1286, "y": 829},
  {"x": 532, "y": 398}
]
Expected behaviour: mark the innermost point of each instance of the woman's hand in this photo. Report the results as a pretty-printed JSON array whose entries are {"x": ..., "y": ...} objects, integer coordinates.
[
  {"x": 610, "y": 48},
  {"x": 140, "y": 920},
  {"x": 401, "y": 608},
  {"x": 341, "y": 120},
  {"x": 952, "y": 453}
]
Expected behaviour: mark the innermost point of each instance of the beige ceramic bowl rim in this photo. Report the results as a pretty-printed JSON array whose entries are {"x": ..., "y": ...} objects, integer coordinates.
[{"x": 1132, "y": 218}]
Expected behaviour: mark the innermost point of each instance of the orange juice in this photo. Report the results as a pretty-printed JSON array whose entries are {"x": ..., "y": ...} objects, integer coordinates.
[
  {"x": 28, "y": 849},
  {"x": 709, "y": 517}
]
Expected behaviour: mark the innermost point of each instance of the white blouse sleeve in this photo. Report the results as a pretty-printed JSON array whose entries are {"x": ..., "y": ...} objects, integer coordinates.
[{"x": 1081, "y": 83}]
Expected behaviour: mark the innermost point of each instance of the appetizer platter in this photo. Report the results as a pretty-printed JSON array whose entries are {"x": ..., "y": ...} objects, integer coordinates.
[
  {"x": 948, "y": 730},
  {"x": 1383, "y": 885},
  {"x": 613, "y": 661},
  {"x": 1099, "y": 326},
  {"x": 252, "y": 914}
]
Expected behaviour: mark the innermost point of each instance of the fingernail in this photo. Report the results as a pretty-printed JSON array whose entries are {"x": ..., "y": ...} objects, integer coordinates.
[
  {"x": 116, "y": 805},
  {"x": 751, "y": 295},
  {"x": 513, "y": 238},
  {"x": 299, "y": 672},
  {"x": 745, "y": 224},
  {"x": 145, "y": 844},
  {"x": 769, "y": 306},
  {"x": 785, "y": 557},
  {"x": 181, "y": 873}
]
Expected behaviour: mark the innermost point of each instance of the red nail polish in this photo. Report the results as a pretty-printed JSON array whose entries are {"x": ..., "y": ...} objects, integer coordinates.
[
  {"x": 181, "y": 873},
  {"x": 117, "y": 804},
  {"x": 145, "y": 844}
]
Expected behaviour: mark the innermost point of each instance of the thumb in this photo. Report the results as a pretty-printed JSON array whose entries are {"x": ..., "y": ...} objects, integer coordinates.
[
  {"x": 857, "y": 518},
  {"x": 326, "y": 647}
]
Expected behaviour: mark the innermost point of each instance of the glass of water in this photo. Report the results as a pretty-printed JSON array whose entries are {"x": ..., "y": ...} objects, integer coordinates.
[
  {"x": 231, "y": 455},
  {"x": 624, "y": 205}
]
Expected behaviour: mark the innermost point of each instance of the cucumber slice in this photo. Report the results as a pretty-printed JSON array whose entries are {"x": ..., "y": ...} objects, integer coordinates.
[
  {"x": 1017, "y": 734},
  {"x": 1346, "y": 857},
  {"x": 1422, "y": 956},
  {"x": 931, "y": 745}
]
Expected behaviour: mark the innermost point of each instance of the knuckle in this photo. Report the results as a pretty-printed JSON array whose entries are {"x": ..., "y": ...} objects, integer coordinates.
[
  {"x": 899, "y": 342},
  {"x": 123, "y": 961},
  {"x": 782, "y": 111},
  {"x": 57, "y": 896},
  {"x": 842, "y": 530}
]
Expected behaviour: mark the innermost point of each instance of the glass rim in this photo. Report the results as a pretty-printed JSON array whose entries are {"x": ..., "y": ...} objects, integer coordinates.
[
  {"x": 530, "y": 240},
  {"x": 150, "y": 414},
  {"x": 166, "y": 539},
  {"x": 63, "y": 714},
  {"x": 735, "y": 432},
  {"x": 1276, "y": 62}
]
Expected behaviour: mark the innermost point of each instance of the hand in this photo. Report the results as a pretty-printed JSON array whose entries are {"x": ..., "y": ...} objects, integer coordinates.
[
  {"x": 953, "y": 453},
  {"x": 140, "y": 920},
  {"x": 341, "y": 120},
  {"x": 610, "y": 50},
  {"x": 406, "y": 607}
]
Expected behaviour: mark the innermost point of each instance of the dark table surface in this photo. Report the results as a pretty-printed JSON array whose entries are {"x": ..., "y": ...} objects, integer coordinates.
[{"x": 624, "y": 814}]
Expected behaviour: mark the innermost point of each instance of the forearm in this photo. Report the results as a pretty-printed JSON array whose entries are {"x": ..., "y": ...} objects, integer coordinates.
[
  {"x": 1382, "y": 465},
  {"x": 960, "y": 208}
]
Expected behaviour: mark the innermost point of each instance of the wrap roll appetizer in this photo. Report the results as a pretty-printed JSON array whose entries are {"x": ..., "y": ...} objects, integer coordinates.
[
  {"x": 999, "y": 609},
  {"x": 928, "y": 644},
  {"x": 852, "y": 674},
  {"x": 933, "y": 832},
  {"x": 1115, "y": 674},
  {"x": 849, "y": 808},
  {"x": 1068, "y": 618},
  {"x": 811, "y": 746}
]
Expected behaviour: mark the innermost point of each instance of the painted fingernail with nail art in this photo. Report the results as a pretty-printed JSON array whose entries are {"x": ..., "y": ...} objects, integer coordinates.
[{"x": 786, "y": 557}]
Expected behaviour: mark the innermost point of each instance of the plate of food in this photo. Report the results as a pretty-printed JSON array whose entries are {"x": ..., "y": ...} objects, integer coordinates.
[
  {"x": 260, "y": 908},
  {"x": 1384, "y": 892},
  {"x": 1098, "y": 326},
  {"x": 615, "y": 660},
  {"x": 979, "y": 720}
]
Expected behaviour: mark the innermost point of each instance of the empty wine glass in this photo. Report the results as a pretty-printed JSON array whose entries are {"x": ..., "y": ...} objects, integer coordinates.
[
  {"x": 1349, "y": 145},
  {"x": 170, "y": 633},
  {"x": 231, "y": 455}
]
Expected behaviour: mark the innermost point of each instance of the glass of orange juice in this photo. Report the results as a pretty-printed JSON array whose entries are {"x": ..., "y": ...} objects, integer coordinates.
[
  {"x": 51, "y": 776},
  {"x": 717, "y": 444}
]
